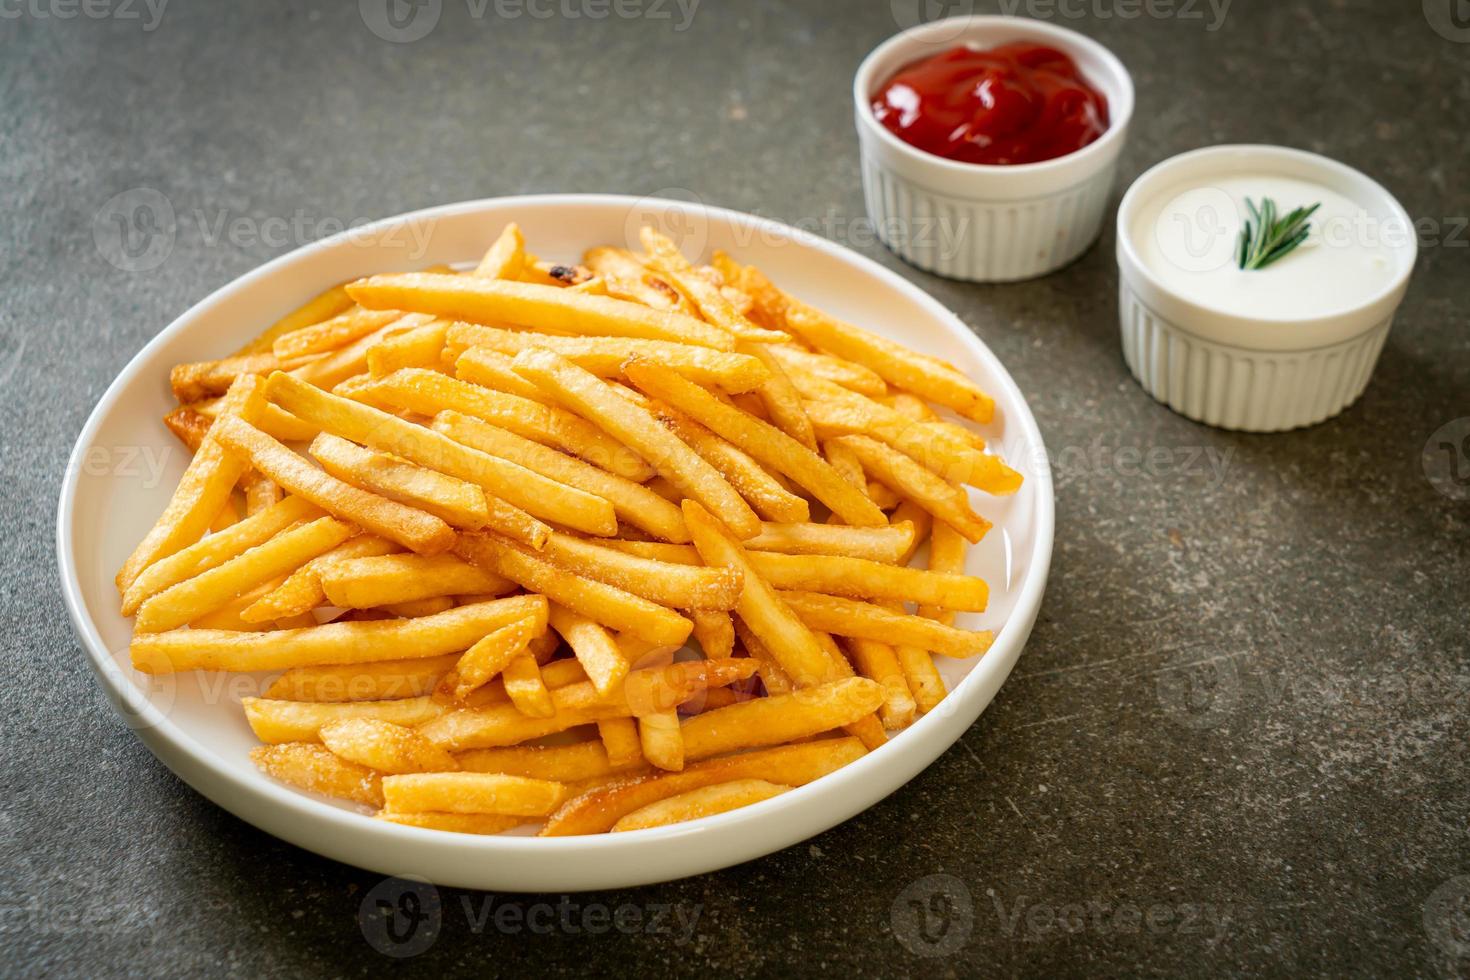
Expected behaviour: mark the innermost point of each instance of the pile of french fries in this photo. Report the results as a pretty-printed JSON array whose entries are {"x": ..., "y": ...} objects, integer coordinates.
[{"x": 524, "y": 489}]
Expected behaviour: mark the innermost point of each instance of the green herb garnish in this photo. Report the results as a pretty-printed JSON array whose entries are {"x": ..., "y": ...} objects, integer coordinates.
[{"x": 1266, "y": 238}]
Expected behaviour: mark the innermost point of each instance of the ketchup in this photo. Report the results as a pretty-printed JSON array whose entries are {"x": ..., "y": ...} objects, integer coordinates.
[{"x": 1016, "y": 103}]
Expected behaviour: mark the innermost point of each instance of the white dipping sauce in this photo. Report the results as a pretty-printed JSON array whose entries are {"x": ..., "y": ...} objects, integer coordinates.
[{"x": 1189, "y": 237}]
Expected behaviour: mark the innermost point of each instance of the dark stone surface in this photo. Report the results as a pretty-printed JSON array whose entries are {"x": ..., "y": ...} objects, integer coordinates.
[{"x": 1237, "y": 741}]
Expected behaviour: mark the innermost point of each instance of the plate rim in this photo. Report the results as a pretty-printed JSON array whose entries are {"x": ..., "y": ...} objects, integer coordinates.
[{"x": 912, "y": 742}]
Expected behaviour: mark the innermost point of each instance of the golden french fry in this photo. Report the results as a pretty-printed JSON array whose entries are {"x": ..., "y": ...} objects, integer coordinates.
[
  {"x": 384, "y": 747},
  {"x": 594, "y": 647},
  {"x": 454, "y": 823},
  {"x": 498, "y": 724},
  {"x": 604, "y": 356},
  {"x": 574, "y": 763},
  {"x": 491, "y": 369},
  {"x": 632, "y": 425},
  {"x": 321, "y": 307},
  {"x": 511, "y": 484},
  {"x": 665, "y": 258},
  {"x": 598, "y": 601},
  {"x": 202, "y": 379},
  {"x": 850, "y": 617},
  {"x": 416, "y": 348},
  {"x": 878, "y": 544},
  {"x": 364, "y": 583},
  {"x": 410, "y": 527},
  {"x": 927, "y": 376},
  {"x": 703, "y": 802},
  {"x": 195, "y": 597},
  {"x": 924, "y": 680},
  {"x": 314, "y": 768},
  {"x": 329, "y": 370},
  {"x": 947, "y": 549},
  {"x": 620, "y": 739},
  {"x": 678, "y": 585},
  {"x": 531, "y": 305},
  {"x": 628, "y": 278},
  {"x": 780, "y": 718},
  {"x": 788, "y": 640},
  {"x": 273, "y": 420},
  {"x": 334, "y": 643},
  {"x": 381, "y": 681},
  {"x": 864, "y": 579},
  {"x": 329, "y": 335},
  {"x": 714, "y": 631},
  {"x": 780, "y": 398},
  {"x": 632, "y": 502},
  {"x": 204, "y": 488},
  {"x": 766, "y": 443},
  {"x": 471, "y": 792},
  {"x": 301, "y": 721},
  {"x": 453, "y": 501},
  {"x": 495, "y": 653},
  {"x": 506, "y": 257},
  {"x": 661, "y": 740},
  {"x": 944, "y": 500},
  {"x": 848, "y": 374},
  {"x": 597, "y": 810},
  {"x": 216, "y": 549},
  {"x": 302, "y": 591},
  {"x": 877, "y": 661}
]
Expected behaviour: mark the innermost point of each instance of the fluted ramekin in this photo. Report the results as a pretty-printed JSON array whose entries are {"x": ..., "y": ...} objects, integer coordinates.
[
  {"x": 988, "y": 223},
  {"x": 1252, "y": 373}
]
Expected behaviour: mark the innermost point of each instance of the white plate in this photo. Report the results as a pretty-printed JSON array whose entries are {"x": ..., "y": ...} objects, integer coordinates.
[{"x": 125, "y": 465}]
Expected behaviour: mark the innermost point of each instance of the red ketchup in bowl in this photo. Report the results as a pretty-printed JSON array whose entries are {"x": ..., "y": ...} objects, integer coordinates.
[{"x": 1016, "y": 103}]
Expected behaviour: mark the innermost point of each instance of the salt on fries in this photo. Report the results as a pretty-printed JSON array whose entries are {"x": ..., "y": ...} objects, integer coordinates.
[{"x": 526, "y": 488}]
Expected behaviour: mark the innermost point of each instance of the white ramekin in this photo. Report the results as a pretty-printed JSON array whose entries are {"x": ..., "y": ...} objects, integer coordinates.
[
  {"x": 1249, "y": 373},
  {"x": 988, "y": 223}
]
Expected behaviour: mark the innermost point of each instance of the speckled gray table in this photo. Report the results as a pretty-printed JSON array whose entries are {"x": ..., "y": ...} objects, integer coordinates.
[{"x": 1237, "y": 741}]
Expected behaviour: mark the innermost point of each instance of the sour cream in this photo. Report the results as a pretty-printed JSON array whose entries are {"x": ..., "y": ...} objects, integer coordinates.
[{"x": 1188, "y": 236}]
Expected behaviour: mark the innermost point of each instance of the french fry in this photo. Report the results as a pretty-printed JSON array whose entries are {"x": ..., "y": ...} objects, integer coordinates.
[
  {"x": 302, "y": 721},
  {"x": 714, "y": 631},
  {"x": 384, "y": 747},
  {"x": 877, "y": 544},
  {"x": 632, "y": 502},
  {"x": 924, "y": 680},
  {"x": 597, "y": 810},
  {"x": 594, "y": 647},
  {"x": 868, "y": 728},
  {"x": 665, "y": 258},
  {"x": 894, "y": 363},
  {"x": 780, "y": 718},
  {"x": 944, "y": 500},
  {"x": 779, "y": 629},
  {"x": 660, "y": 739},
  {"x": 632, "y": 425},
  {"x": 208, "y": 591},
  {"x": 260, "y": 494},
  {"x": 576, "y": 763},
  {"x": 766, "y": 443},
  {"x": 511, "y": 484},
  {"x": 678, "y": 585},
  {"x": 381, "y": 681},
  {"x": 947, "y": 549},
  {"x": 471, "y": 792},
  {"x": 273, "y": 420},
  {"x": 506, "y": 257},
  {"x": 330, "y": 370},
  {"x": 498, "y": 725},
  {"x": 329, "y": 335},
  {"x": 531, "y": 305},
  {"x": 628, "y": 278},
  {"x": 315, "y": 769},
  {"x": 216, "y": 549},
  {"x": 416, "y": 348},
  {"x": 620, "y": 740},
  {"x": 454, "y": 823},
  {"x": 492, "y": 369},
  {"x": 703, "y": 802},
  {"x": 333, "y": 643},
  {"x": 494, "y": 654},
  {"x": 877, "y": 661},
  {"x": 848, "y": 374},
  {"x": 302, "y": 591},
  {"x": 453, "y": 501},
  {"x": 850, "y": 617},
  {"x": 202, "y": 379},
  {"x": 364, "y": 583},
  {"x": 864, "y": 579},
  {"x": 323, "y": 306},
  {"x": 604, "y": 356},
  {"x": 205, "y": 486},
  {"x": 780, "y": 397},
  {"x": 410, "y": 527},
  {"x": 598, "y": 601}
]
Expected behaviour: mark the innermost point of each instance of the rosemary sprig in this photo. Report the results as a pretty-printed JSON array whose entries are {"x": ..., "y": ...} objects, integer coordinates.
[{"x": 1266, "y": 238}]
